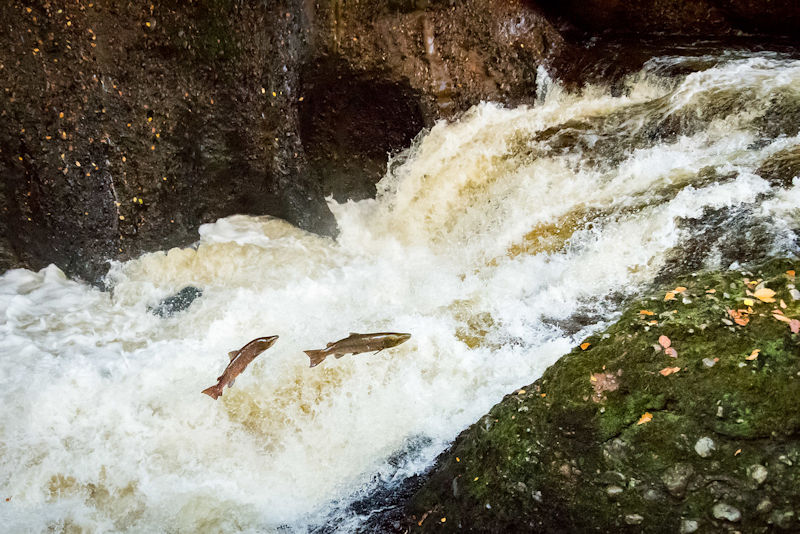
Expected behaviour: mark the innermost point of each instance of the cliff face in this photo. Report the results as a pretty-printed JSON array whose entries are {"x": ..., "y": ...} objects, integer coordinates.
[{"x": 126, "y": 124}]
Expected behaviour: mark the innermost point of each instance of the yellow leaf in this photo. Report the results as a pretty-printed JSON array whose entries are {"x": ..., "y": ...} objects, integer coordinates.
[
  {"x": 646, "y": 418},
  {"x": 748, "y": 302},
  {"x": 585, "y": 346},
  {"x": 765, "y": 294}
]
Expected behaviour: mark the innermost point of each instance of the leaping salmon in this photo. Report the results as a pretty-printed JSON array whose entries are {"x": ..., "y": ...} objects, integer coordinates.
[
  {"x": 240, "y": 359},
  {"x": 357, "y": 343}
]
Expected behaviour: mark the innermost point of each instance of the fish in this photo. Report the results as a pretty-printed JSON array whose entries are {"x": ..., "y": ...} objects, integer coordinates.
[
  {"x": 240, "y": 359},
  {"x": 357, "y": 343}
]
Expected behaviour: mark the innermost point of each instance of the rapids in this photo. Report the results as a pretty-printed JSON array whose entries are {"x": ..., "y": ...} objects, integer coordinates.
[{"x": 499, "y": 241}]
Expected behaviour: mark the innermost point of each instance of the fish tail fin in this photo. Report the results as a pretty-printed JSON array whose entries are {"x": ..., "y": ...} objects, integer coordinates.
[
  {"x": 316, "y": 356},
  {"x": 214, "y": 391}
]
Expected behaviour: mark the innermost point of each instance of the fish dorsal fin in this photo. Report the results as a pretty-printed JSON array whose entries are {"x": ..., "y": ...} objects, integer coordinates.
[
  {"x": 354, "y": 334},
  {"x": 330, "y": 344},
  {"x": 232, "y": 354},
  {"x": 230, "y": 384}
]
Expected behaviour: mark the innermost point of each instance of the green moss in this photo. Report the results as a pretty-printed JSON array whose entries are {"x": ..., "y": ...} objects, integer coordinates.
[{"x": 568, "y": 454}]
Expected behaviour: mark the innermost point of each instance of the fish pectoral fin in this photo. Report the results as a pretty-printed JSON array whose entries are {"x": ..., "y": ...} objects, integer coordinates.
[
  {"x": 230, "y": 384},
  {"x": 339, "y": 355},
  {"x": 329, "y": 344},
  {"x": 232, "y": 354},
  {"x": 354, "y": 334}
]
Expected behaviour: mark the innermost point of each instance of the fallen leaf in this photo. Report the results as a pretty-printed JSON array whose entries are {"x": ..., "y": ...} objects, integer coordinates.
[
  {"x": 664, "y": 341},
  {"x": 753, "y": 355},
  {"x": 781, "y": 317},
  {"x": 646, "y": 418},
  {"x": 585, "y": 345},
  {"x": 765, "y": 294},
  {"x": 738, "y": 452},
  {"x": 521, "y": 392},
  {"x": 671, "y": 352},
  {"x": 711, "y": 291},
  {"x": 748, "y": 302},
  {"x": 669, "y": 296},
  {"x": 795, "y": 326},
  {"x": 666, "y": 371},
  {"x": 646, "y": 312},
  {"x": 679, "y": 289},
  {"x": 783, "y": 304},
  {"x": 652, "y": 322},
  {"x": 790, "y": 272},
  {"x": 739, "y": 317}
]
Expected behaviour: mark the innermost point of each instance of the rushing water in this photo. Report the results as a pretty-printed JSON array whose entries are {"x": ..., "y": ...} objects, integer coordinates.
[{"x": 498, "y": 241}]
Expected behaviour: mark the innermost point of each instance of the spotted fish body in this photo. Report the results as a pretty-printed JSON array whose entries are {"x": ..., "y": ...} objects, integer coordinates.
[
  {"x": 240, "y": 359},
  {"x": 357, "y": 343}
]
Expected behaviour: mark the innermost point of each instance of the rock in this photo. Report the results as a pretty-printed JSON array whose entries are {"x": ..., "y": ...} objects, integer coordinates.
[
  {"x": 783, "y": 520},
  {"x": 676, "y": 478},
  {"x": 177, "y": 302},
  {"x": 634, "y": 519},
  {"x": 758, "y": 473},
  {"x": 688, "y": 526},
  {"x": 605, "y": 449},
  {"x": 705, "y": 447},
  {"x": 726, "y": 512},
  {"x": 764, "y": 507}
]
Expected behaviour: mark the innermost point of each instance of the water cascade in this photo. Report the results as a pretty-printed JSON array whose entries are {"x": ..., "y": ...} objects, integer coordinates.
[{"x": 499, "y": 241}]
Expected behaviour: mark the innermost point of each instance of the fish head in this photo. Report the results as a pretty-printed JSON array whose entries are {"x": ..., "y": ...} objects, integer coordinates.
[
  {"x": 263, "y": 343},
  {"x": 392, "y": 340}
]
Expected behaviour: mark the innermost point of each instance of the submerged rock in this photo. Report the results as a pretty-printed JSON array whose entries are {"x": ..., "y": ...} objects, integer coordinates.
[
  {"x": 177, "y": 302},
  {"x": 711, "y": 440}
]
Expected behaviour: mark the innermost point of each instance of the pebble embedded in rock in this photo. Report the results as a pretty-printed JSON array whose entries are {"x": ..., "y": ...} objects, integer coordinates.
[
  {"x": 783, "y": 520},
  {"x": 676, "y": 478},
  {"x": 764, "y": 506},
  {"x": 634, "y": 519},
  {"x": 758, "y": 473},
  {"x": 613, "y": 491},
  {"x": 727, "y": 512},
  {"x": 705, "y": 447},
  {"x": 688, "y": 526},
  {"x": 709, "y": 362}
]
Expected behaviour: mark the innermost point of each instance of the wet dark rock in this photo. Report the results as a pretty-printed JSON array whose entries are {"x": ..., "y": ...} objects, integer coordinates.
[
  {"x": 178, "y": 302},
  {"x": 782, "y": 167},
  {"x": 574, "y": 452}
]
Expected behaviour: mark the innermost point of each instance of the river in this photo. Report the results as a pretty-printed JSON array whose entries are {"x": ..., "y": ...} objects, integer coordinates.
[{"x": 499, "y": 241}]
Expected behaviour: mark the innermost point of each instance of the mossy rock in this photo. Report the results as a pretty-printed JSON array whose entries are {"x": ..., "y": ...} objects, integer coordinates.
[{"x": 622, "y": 436}]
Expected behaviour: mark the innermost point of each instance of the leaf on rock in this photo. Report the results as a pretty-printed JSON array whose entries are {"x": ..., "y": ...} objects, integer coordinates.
[
  {"x": 646, "y": 312},
  {"x": 748, "y": 302},
  {"x": 679, "y": 289},
  {"x": 671, "y": 352},
  {"x": 753, "y": 355},
  {"x": 585, "y": 345},
  {"x": 739, "y": 317},
  {"x": 666, "y": 371},
  {"x": 764, "y": 294},
  {"x": 669, "y": 296},
  {"x": 795, "y": 326},
  {"x": 646, "y": 418},
  {"x": 664, "y": 341}
]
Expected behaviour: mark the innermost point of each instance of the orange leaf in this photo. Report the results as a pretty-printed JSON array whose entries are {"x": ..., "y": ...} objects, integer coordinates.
[
  {"x": 753, "y": 355},
  {"x": 585, "y": 346},
  {"x": 669, "y": 296},
  {"x": 679, "y": 289},
  {"x": 765, "y": 294},
  {"x": 790, "y": 272},
  {"x": 646, "y": 312},
  {"x": 646, "y": 418},
  {"x": 739, "y": 317},
  {"x": 666, "y": 371},
  {"x": 664, "y": 341},
  {"x": 711, "y": 291},
  {"x": 671, "y": 352}
]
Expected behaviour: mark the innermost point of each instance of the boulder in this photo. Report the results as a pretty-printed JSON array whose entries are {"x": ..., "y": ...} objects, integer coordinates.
[{"x": 676, "y": 445}]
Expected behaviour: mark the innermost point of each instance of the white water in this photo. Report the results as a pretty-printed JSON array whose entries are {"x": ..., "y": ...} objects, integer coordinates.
[{"x": 497, "y": 246}]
